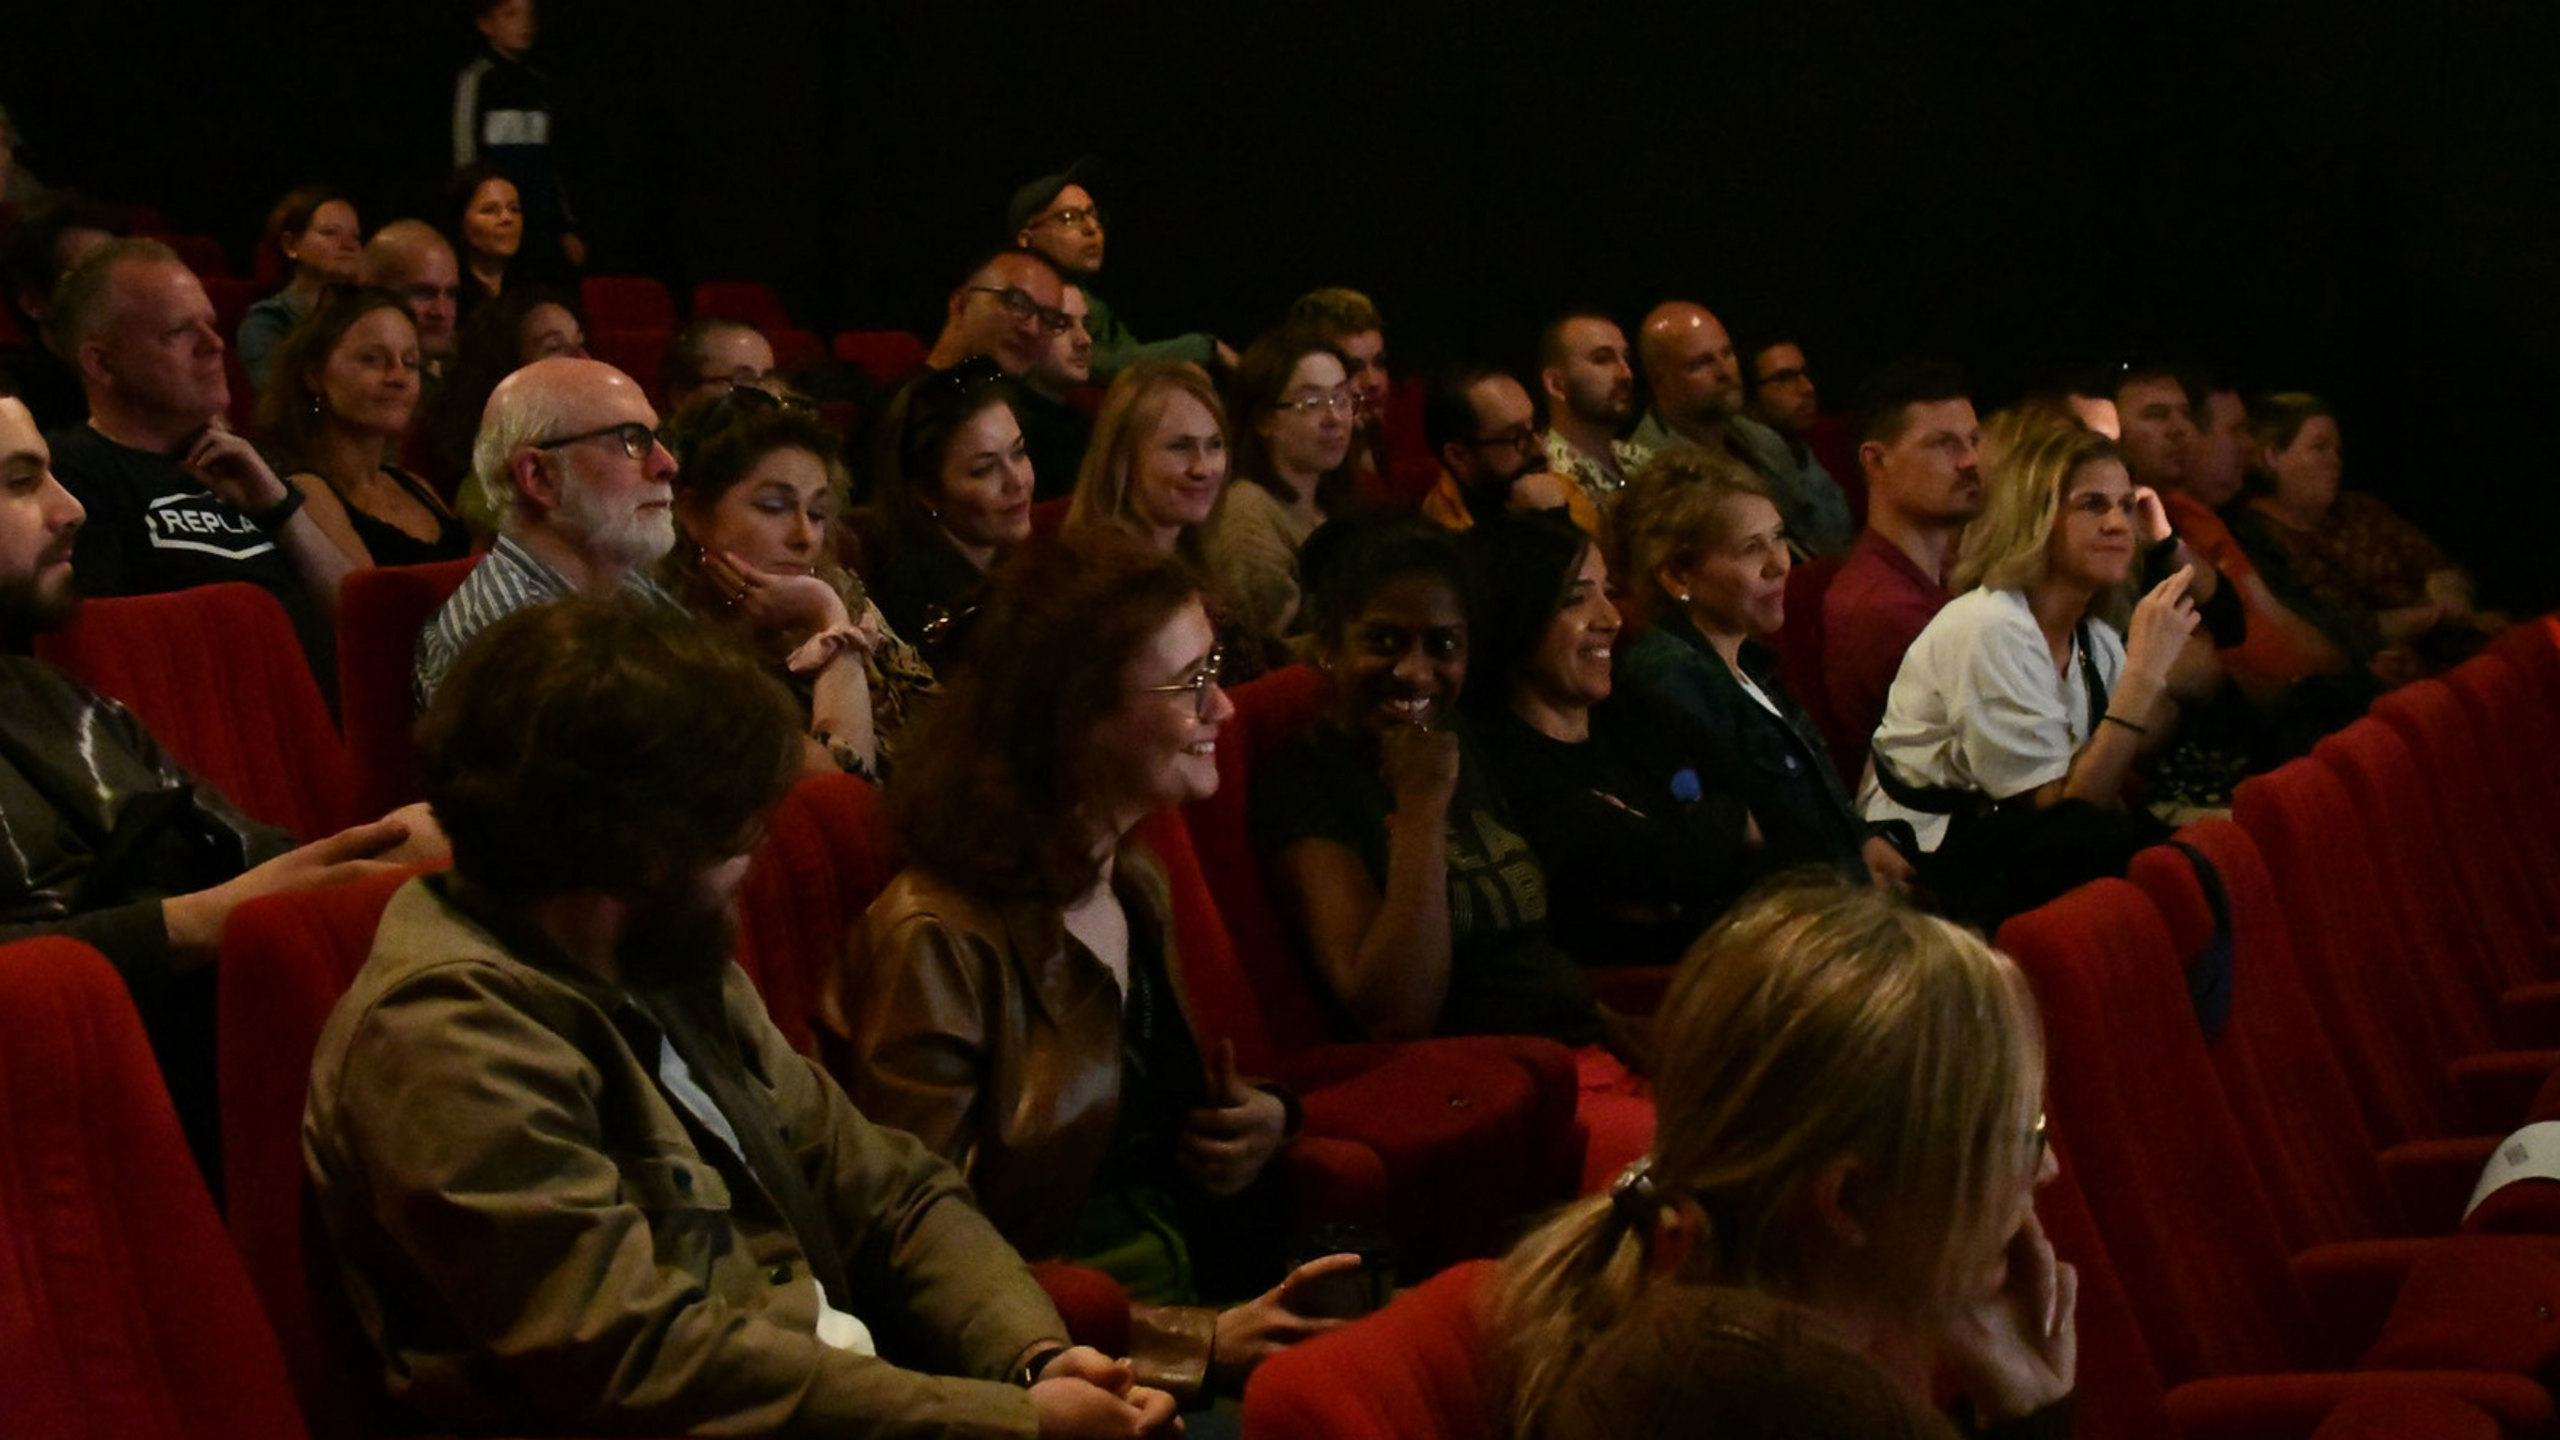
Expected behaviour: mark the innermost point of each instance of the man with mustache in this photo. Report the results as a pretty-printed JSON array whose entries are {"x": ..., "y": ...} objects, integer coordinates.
[
  {"x": 569, "y": 450},
  {"x": 1590, "y": 382},
  {"x": 108, "y": 840},
  {"x": 576, "y": 1180}
]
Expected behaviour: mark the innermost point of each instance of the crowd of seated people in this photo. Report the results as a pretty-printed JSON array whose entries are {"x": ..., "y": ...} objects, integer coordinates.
[{"x": 1560, "y": 735}]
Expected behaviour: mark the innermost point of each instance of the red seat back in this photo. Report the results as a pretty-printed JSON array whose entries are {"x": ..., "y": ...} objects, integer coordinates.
[
  {"x": 124, "y": 1313},
  {"x": 627, "y": 302},
  {"x": 2161, "y": 1162},
  {"x": 218, "y": 677},
  {"x": 286, "y": 960},
  {"x": 796, "y": 350},
  {"x": 888, "y": 356},
  {"x": 1415, "y": 1370},
  {"x": 827, "y": 851},
  {"x": 2284, "y": 1084},
  {"x": 1271, "y": 713},
  {"x": 1799, "y": 646},
  {"x": 752, "y": 301},
  {"x": 2513, "y": 728},
  {"x": 202, "y": 253},
  {"x": 231, "y": 300},
  {"x": 639, "y": 351},
  {"x": 380, "y": 612}
]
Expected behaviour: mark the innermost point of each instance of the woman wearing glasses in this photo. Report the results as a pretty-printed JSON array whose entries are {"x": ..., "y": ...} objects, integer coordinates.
[
  {"x": 1838, "y": 1210},
  {"x": 1294, "y": 412},
  {"x": 2017, "y": 715},
  {"x": 952, "y": 494},
  {"x": 341, "y": 398},
  {"x": 1011, "y": 997},
  {"x": 758, "y": 489}
]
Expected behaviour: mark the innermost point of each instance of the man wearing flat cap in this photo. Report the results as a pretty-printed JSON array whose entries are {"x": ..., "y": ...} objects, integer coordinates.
[{"x": 1057, "y": 216}]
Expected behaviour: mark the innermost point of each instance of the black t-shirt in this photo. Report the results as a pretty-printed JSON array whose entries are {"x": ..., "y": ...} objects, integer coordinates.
[
  {"x": 1506, "y": 977},
  {"x": 1641, "y": 826},
  {"x": 153, "y": 528}
]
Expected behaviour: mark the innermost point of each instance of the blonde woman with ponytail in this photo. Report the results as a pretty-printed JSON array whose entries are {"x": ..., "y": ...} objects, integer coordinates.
[{"x": 1839, "y": 1201}]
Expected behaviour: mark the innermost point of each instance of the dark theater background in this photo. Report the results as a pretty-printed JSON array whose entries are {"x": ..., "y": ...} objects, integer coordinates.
[{"x": 2353, "y": 196}]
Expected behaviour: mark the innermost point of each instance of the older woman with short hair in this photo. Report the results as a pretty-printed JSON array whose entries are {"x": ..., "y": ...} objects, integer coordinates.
[{"x": 1841, "y": 1189}]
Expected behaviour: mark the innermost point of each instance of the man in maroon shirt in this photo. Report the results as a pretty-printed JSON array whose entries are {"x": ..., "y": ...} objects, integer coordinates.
[{"x": 1917, "y": 444}]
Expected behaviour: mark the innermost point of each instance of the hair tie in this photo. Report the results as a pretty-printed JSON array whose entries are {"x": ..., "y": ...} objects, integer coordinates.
[{"x": 1632, "y": 1194}]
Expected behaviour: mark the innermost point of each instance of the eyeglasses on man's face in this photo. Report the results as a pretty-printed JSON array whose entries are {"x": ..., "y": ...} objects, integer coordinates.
[
  {"x": 1518, "y": 437},
  {"x": 1017, "y": 302},
  {"x": 1202, "y": 685},
  {"x": 1078, "y": 217},
  {"x": 636, "y": 439}
]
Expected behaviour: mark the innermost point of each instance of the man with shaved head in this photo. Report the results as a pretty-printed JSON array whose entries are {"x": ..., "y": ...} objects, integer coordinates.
[
  {"x": 174, "y": 499},
  {"x": 409, "y": 257},
  {"x": 569, "y": 449},
  {"x": 1698, "y": 399},
  {"x": 1009, "y": 309}
]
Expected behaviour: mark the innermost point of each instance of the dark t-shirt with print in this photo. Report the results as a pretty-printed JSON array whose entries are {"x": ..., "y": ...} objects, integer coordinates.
[
  {"x": 153, "y": 528},
  {"x": 1506, "y": 977}
]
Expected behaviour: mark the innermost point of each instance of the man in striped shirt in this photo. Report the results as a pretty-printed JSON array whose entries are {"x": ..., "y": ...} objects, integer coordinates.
[{"x": 569, "y": 450}]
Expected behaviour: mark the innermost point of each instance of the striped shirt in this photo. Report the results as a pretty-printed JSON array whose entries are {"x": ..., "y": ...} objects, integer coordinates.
[{"x": 506, "y": 580}]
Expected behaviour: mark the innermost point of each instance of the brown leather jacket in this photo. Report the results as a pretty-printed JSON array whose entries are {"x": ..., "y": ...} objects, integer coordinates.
[{"x": 993, "y": 1036}]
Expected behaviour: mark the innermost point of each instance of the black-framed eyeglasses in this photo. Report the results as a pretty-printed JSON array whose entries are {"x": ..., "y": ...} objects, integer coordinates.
[
  {"x": 1075, "y": 217},
  {"x": 1203, "y": 686},
  {"x": 1518, "y": 437},
  {"x": 636, "y": 439},
  {"x": 1338, "y": 402},
  {"x": 1017, "y": 302}
]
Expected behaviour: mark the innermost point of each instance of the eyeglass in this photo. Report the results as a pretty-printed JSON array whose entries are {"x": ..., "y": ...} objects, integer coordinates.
[
  {"x": 1203, "y": 686},
  {"x": 1018, "y": 303},
  {"x": 1076, "y": 217},
  {"x": 1518, "y": 437},
  {"x": 1334, "y": 403},
  {"x": 636, "y": 439},
  {"x": 748, "y": 392}
]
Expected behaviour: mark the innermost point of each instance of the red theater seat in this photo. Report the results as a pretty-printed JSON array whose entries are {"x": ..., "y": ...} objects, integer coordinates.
[
  {"x": 218, "y": 677},
  {"x": 627, "y": 302},
  {"x": 1415, "y": 1370},
  {"x": 124, "y": 1313},
  {"x": 380, "y": 612},
  {"x": 753, "y": 301},
  {"x": 638, "y": 351},
  {"x": 1799, "y": 645},
  {"x": 827, "y": 851},
  {"x": 231, "y": 300},
  {"x": 202, "y": 253},
  {"x": 888, "y": 356}
]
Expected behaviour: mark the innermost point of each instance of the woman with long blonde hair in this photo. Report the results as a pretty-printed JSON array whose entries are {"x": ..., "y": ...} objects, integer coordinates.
[
  {"x": 1839, "y": 1197},
  {"x": 2018, "y": 713}
]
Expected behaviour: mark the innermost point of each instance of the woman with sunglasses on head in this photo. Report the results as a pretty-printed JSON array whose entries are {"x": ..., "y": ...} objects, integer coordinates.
[
  {"x": 341, "y": 399},
  {"x": 758, "y": 489},
  {"x": 1158, "y": 468},
  {"x": 1837, "y": 1212},
  {"x": 1294, "y": 414},
  {"x": 2014, "y": 723},
  {"x": 951, "y": 494},
  {"x": 1013, "y": 997}
]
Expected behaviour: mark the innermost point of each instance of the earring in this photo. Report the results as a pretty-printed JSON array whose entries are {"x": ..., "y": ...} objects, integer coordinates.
[{"x": 1682, "y": 597}]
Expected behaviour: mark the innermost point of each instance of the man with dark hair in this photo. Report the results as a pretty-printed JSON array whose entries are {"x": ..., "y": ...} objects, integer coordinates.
[
  {"x": 502, "y": 118},
  {"x": 1698, "y": 400},
  {"x": 1055, "y": 430},
  {"x": 1590, "y": 384},
  {"x": 1484, "y": 429},
  {"x": 1008, "y": 309},
  {"x": 1779, "y": 393},
  {"x": 1918, "y": 443},
  {"x": 1351, "y": 322},
  {"x": 1058, "y": 216},
  {"x": 174, "y": 498},
  {"x": 575, "y": 1178},
  {"x": 110, "y": 841},
  {"x": 585, "y": 488},
  {"x": 47, "y": 238}
]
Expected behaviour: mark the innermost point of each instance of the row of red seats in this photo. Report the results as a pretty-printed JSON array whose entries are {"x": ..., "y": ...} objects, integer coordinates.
[{"x": 2258, "y": 1210}]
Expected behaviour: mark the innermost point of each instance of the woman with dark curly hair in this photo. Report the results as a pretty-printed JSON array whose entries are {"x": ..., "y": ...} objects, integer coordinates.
[{"x": 1010, "y": 997}]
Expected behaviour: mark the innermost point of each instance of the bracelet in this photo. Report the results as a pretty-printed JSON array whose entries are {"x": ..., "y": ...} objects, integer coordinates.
[
  {"x": 1039, "y": 1361},
  {"x": 273, "y": 517},
  {"x": 2112, "y": 718}
]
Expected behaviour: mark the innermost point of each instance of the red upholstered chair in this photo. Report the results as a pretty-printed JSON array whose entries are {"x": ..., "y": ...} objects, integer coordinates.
[
  {"x": 218, "y": 677},
  {"x": 795, "y": 351},
  {"x": 2513, "y": 728},
  {"x": 753, "y": 301},
  {"x": 1415, "y": 1370},
  {"x": 380, "y": 612},
  {"x": 1799, "y": 646},
  {"x": 1049, "y": 516},
  {"x": 1835, "y": 444},
  {"x": 2167, "y": 1175},
  {"x": 202, "y": 253},
  {"x": 888, "y": 356},
  {"x": 124, "y": 1313},
  {"x": 639, "y": 351},
  {"x": 231, "y": 300},
  {"x": 827, "y": 851},
  {"x": 627, "y": 302}
]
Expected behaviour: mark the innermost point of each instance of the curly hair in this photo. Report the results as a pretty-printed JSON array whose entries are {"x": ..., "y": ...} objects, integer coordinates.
[{"x": 991, "y": 793}]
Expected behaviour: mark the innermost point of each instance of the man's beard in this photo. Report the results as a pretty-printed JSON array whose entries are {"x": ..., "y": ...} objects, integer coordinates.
[
  {"x": 674, "y": 938},
  {"x": 624, "y": 537},
  {"x": 27, "y": 608}
]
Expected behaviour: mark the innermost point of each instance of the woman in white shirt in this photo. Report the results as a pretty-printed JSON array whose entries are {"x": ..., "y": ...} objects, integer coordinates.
[{"x": 2017, "y": 715}]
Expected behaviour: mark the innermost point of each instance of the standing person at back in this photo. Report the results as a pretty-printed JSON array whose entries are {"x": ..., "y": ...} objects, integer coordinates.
[{"x": 502, "y": 118}]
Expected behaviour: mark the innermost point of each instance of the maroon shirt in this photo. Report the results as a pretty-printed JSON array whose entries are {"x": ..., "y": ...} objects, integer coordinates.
[{"x": 1876, "y": 606}]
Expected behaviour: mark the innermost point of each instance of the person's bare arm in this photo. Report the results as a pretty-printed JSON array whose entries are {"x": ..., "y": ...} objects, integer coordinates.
[
  {"x": 1385, "y": 956},
  {"x": 231, "y": 467},
  {"x": 2161, "y": 625},
  {"x": 328, "y": 511},
  {"x": 195, "y": 920}
]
